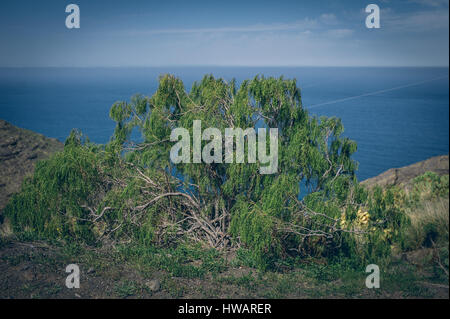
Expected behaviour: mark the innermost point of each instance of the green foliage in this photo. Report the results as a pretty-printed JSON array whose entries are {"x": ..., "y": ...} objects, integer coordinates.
[
  {"x": 130, "y": 190},
  {"x": 255, "y": 228},
  {"x": 311, "y": 152},
  {"x": 49, "y": 205},
  {"x": 177, "y": 261},
  {"x": 126, "y": 288},
  {"x": 429, "y": 186},
  {"x": 426, "y": 204}
]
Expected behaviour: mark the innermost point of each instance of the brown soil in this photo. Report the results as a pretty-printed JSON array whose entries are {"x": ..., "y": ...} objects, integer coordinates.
[{"x": 37, "y": 270}]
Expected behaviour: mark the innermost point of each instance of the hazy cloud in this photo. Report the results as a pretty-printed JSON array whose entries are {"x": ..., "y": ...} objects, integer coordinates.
[
  {"x": 432, "y": 3},
  {"x": 298, "y": 25},
  {"x": 421, "y": 21}
]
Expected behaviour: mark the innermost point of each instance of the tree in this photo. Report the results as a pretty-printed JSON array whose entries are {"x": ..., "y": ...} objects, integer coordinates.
[
  {"x": 130, "y": 188},
  {"x": 216, "y": 202}
]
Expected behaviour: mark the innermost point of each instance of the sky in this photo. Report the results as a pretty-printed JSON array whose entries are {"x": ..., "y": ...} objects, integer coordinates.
[{"x": 224, "y": 33}]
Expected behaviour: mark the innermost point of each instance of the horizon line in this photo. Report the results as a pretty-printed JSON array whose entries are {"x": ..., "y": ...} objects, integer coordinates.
[{"x": 223, "y": 66}]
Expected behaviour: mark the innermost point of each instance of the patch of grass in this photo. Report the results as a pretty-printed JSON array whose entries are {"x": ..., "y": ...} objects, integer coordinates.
[
  {"x": 126, "y": 288},
  {"x": 41, "y": 291},
  {"x": 246, "y": 281},
  {"x": 324, "y": 272},
  {"x": 404, "y": 279},
  {"x": 45, "y": 259},
  {"x": 429, "y": 224},
  {"x": 15, "y": 260},
  {"x": 174, "y": 289},
  {"x": 72, "y": 249},
  {"x": 51, "y": 290},
  {"x": 27, "y": 235},
  {"x": 182, "y": 261},
  {"x": 285, "y": 285}
]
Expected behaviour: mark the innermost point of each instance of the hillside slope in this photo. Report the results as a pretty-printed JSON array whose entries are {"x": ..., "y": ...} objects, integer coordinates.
[
  {"x": 20, "y": 149},
  {"x": 403, "y": 175}
]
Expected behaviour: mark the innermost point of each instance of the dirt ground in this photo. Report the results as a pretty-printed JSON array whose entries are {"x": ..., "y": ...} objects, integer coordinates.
[{"x": 37, "y": 270}]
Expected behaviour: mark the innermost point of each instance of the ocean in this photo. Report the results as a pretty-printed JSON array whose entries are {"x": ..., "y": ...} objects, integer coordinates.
[{"x": 397, "y": 116}]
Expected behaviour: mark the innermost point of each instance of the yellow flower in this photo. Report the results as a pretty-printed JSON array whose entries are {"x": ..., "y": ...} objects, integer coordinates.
[
  {"x": 343, "y": 221},
  {"x": 362, "y": 217}
]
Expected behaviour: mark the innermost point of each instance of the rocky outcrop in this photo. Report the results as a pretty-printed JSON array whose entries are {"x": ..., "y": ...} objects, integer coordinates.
[
  {"x": 403, "y": 175},
  {"x": 20, "y": 149}
]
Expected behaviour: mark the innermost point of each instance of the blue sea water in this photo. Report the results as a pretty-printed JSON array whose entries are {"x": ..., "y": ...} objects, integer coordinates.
[{"x": 397, "y": 116}]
